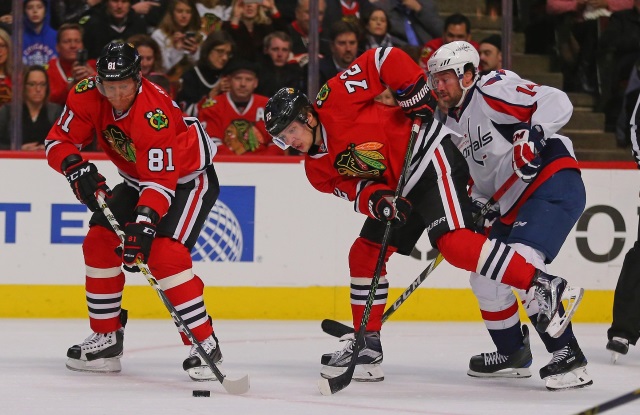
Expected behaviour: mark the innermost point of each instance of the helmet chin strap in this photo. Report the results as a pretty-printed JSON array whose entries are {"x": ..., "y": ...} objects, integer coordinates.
[
  {"x": 315, "y": 148},
  {"x": 465, "y": 90}
]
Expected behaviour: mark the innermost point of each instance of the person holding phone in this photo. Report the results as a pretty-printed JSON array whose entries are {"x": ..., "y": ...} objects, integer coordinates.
[
  {"x": 72, "y": 64},
  {"x": 179, "y": 37}
]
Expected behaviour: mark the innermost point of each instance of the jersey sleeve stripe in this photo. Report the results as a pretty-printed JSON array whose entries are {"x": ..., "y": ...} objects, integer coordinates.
[
  {"x": 380, "y": 56},
  {"x": 522, "y": 113}
]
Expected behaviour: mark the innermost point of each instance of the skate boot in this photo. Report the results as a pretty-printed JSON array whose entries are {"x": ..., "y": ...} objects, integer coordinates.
[
  {"x": 100, "y": 352},
  {"x": 549, "y": 292},
  {"x": 196, "y": 367},
  {"x": 567, "y": 369},
  {"x": 617, "y": 346},
  {"x": 496, "y": 365},
  {"x": 369, "y": 358}
]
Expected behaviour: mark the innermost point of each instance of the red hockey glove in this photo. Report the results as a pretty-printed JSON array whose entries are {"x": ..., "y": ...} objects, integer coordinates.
[
  {"x": 525, "y": 160},
  {"x": 382, "y": 208},
  {"x": 137, "y": 244},
  {"x": 85, "y": 181},
  {"x": 417, "y": 100}
]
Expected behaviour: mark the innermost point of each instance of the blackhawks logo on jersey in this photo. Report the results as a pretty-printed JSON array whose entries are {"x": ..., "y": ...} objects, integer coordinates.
[
  {"x": 242, "y": 136},
  {"x": 209, "y": 102},
  {"x": 85, "y": 85},
  {"x": 361, "y": 160},
  {"x": 120, "y": 143},
  {"x": 323, "y": 94},
  {"x": 157, "y": 119}
]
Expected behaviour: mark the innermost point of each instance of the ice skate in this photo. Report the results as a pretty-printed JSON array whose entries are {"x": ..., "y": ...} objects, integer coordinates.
[
  {"x": 617, "y": 346},
  {"x": 100, "y": 352},
  {"x": 368, "y": 364},
  {"x": 550, "y": 291},
  {"x": 196, "y": 367},
  {"x": 496, "y": 365},
  {"x": 567, "y": 369}
]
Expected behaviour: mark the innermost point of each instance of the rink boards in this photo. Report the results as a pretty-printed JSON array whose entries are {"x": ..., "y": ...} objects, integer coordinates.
[{"x": 275, "y": 248}]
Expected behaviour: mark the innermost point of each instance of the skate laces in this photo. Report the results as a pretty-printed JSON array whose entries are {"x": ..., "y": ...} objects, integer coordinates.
[
  {"x": 494, "y": 358},
  {"x": 97, "y": 340},
  {"x": 209, "y": 344},
  {"x": 560, "y": 355}
]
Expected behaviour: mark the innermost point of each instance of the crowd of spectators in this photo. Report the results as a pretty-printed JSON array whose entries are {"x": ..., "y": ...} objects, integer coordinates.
[{"x": 186, "y": 45}]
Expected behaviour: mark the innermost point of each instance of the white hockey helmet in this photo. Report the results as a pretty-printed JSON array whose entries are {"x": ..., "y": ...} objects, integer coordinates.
[{"x": 453, "y": 56}]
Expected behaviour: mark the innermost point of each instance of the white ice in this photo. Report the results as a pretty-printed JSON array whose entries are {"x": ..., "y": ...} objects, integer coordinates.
[{"x": 425, "y": 368}]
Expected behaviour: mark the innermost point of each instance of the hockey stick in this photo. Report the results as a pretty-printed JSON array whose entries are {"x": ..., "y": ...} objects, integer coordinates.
[
  {"x": 613, "y": 403},
  {"x": 337, "y": 329},
  {"x": 234, "y": 387},
  {"x": 337, "y": 383}
]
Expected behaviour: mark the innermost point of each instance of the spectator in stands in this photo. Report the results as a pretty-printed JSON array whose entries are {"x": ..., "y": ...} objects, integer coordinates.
[
  {"x": 150, "y": 53},
  {"x": 212, "y": 14},
  {"x": 71, "y": 65},
  {"x": 490, "y": 51},
  {"x": 577, "y": 25},
  {"x": 618, "y": 50},
  {"x": 344, "y": 50},
  {"x": 6, "y": 66},
  {"x": 116, "y": 21},
  {"x": 205, "y": 79},
  {"x": 456, "y": 27},
  {"x": 299, "y": 32},
  {"x": 179, "y": 37},
  {"x": 38, "y": 115},
  {"x": 412, "y": 21},
  {"x": 249, "y": 24},
  {"x": 276, "y": 71},
  {"x": 38, "y": 38},
  {"x": 350, "y": 11},
  {"x": 235, "y": 120},
  {"x": 376, "y": 30},
  {"x": 72, "y": 11}
]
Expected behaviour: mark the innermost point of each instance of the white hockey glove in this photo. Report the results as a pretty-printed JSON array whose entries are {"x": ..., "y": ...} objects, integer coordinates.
[{"x": 526, "y": 145}]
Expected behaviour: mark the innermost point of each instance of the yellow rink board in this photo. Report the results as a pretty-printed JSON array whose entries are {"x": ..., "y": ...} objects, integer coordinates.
[{"x": 271, "y": 303}]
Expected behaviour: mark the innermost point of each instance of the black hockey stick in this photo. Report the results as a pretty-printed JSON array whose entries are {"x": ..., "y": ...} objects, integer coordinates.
[
  {"x": 613, "y": 403},
  {"x": 234, "y": 387},
  {"x": 337, "y": 383},
  {"x": 337, "y": 329}
]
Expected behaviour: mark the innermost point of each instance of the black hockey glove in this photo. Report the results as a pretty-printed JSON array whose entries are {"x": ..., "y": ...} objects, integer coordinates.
[
  {"x": 417, "y": 100},
  {"x": 527, "y": 144},
  {"x": 484, "y": 222},
  {"x": 85, "y": 181},
  {"x": 382, "y": 208},
  {"x": 138, "y": 238}
]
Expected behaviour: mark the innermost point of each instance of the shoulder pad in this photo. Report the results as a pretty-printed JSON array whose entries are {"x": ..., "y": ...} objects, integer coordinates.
[{"x": 85, "y": 85}]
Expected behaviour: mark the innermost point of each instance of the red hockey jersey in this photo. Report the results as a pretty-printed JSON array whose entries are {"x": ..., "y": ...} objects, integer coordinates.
[
  {"x": 152, "y": 146},
  {"x": 235, "y": 131},
  {"x": 365, "y": 142}
]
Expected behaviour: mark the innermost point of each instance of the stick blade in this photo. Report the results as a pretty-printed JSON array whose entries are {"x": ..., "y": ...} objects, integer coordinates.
[
  {"x": 237, "y": 386},
  {"x": 337, "y": 383},
  {"x": 335, "y": 328}
]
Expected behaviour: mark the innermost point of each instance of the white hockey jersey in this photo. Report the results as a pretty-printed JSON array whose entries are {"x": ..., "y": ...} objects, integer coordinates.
[{"x": 495, "y": 107}]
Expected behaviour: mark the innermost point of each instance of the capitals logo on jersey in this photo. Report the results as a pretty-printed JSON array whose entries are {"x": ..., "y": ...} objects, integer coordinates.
[
  {"x": 85, "y": 85},
  {"x": 361, "y": 160},
  {"x": 120, "y": 142},
  {"x": 157, "y": 119}
]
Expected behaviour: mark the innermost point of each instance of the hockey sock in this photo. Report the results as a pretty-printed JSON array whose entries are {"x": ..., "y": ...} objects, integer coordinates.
[
  {"x": 472, "y": 251},
  {"x": 507, "y": 341},
  {"x": 550, "y": 343},
  {"x": 104, "y": 279},
  {"x": 363, "y": 258}
]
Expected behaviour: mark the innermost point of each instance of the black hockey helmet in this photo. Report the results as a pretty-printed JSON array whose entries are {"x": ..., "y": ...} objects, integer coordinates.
[
  {"x": 284, "y": 107},
  {"x": 118, "y": 61}
]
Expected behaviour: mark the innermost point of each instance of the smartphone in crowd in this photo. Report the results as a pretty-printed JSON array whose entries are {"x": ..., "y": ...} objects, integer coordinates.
[{"x": 82, "y": 57}]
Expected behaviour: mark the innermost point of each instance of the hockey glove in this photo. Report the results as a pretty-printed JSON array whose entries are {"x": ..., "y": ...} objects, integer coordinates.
[
  {"x": 484, "y": 222},
  {"x": 417, "y": 100},
  {"x": 138, "y": 238},
  {"x": 382, "y": 208},
  {"x": 525, "y": 160},
  {"x": 85, "y": 181}
]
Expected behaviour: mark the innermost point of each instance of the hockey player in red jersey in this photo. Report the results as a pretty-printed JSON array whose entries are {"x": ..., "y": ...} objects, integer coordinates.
[
  {"x": 508, "y": 125},
  {"x": 169, "y": 186},
  {"x": 355, "y": 150}
]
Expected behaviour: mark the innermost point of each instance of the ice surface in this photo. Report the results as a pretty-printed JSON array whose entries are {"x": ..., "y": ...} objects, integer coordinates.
[{"x": 425, "y": 368}]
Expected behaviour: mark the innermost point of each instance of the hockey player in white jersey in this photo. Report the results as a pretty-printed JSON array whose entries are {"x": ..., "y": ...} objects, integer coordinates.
[{"x": 508, "y": 125}]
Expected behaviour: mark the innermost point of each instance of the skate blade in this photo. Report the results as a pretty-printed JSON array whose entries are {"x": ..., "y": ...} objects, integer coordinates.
[
  {"x": 558, "y": 324},
  {"x": 109, "y": 365},
  {"x": 203, "y": 373},
  {"x": 577, "y": 378},
  {"x": 614, "y": 357},
  {"x": 362, "y": 373},
  {"x": 512, "y": 373}
]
